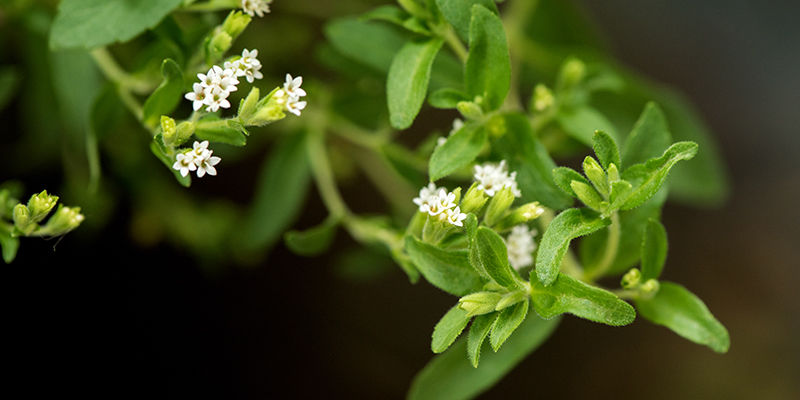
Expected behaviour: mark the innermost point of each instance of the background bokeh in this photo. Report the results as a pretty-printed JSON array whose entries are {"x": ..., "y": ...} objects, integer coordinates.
[{"x": 101, "y": 314}]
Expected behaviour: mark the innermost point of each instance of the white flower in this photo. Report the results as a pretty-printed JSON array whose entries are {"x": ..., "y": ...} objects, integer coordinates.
[
  {"x": 256, "y": 7},
  {"x": 457, "y": 124},
  {"x": 200, "y": 150},
  {"x": 292, "y": 86},
  {"x": 494, "y": 177},
  {"x": 294, "y": 106},
  {"x": 247, "y": 66},
  {"x": 455, "y": 216},
  {"x": 213, "y": 89},
  {"x": 424, "y": 196},
  {"x": 185, "y": 162},
  {"x": 520, "y": 246},
  {"x": 206, "y": 165},
  {"x": 197, "y": 97},
  {"x": 217, "y": 98}
]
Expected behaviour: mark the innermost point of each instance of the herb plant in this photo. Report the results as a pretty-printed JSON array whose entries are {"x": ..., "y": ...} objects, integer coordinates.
[{"x": 483, "y": 213}]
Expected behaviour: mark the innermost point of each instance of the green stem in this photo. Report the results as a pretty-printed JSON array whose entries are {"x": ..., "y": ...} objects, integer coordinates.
[
  {"x": 116, "y": 74},
  {"x": 452, "y": 40},
  {"x": 612, "y": 246},
  {"x": 323, "y": 176}
]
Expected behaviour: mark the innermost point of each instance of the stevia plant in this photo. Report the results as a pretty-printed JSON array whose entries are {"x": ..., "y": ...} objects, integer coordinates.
[{"x": 483, "y": 212}]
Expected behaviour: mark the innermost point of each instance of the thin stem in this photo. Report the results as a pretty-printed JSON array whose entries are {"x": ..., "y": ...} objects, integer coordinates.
[
  {"x": 321, "y": 170},
  {"x": 116, "y": 74},
  {"x": 452, "y": 40},
  {"x": 626, "y": 294},
  {"x": 612, "y": 246}
]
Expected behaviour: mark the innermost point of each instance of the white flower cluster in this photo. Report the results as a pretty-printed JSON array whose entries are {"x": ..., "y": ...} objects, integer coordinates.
[
  {"x": 217, "y": 84},
  {"x": 494, "y": 177},
  {"x": 439, "y": 202},
  {"x": 457, "y": 124},
  {"x": 521, "y": 246},
  {"x": 291, "y": 93},
  {"x": 256, "y": 7},
  {"x": 198, "y": 159}
]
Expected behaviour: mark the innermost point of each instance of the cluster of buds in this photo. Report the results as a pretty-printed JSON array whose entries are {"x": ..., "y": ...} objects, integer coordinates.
[
  {"x": 199, "y": 159},
  {"x": 438, "y": 202},
  {"x": 492, "y": 178},
  {"x": 27, "y": 217},
  {"x": 256, "y": 7},
  {"x": 218, "y": 83}
]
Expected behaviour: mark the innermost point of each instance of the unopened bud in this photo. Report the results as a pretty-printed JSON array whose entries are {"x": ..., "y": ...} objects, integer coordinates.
[
  {"x": 235, "y": 23},
  {"x": 474, "y": 199},
  {"x": 521, "y": 215},
  {"x": 22, "y": 219},
  {"x": 168, "y": 130},
  {"x": 542, "y": 98},
  {"x": 469, "y": 110},
  {"x": 631, "y": 279},
  {"x": 510, "y": 299},
  {"x": 270, "y": 108},
  {"x": 479, "y": 303},
  {"x": 498, "y": 206},
  {"x": 40, "y": 205},
  {"x": 650, "y": 287},
  {"x": 64, "y": 220},
  {"x": 572, "y": 73},
  {"x": 595, "y": 173}
]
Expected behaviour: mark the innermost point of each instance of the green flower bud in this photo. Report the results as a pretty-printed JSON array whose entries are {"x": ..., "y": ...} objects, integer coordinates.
[
  {"x": 64, "y": 220},
  {"x": 168, "y": 130},
  {"x": 235, "y": 23},
  {"x": 595, "y": 173},
  {"x": 217, "y": 45},
  {"x": 572, "y": 73},
  {"x": 247, "y": 107},
  {"x": 474, "y": 199},
  {"x": 650, "y": 287},
  {"x": 184, "y": 131},
  {"x": 22, "y": 219},
  {"x": 542, "y": 98},
  {"x": 436, "y": 228},
  {"x": 613, "y": 173},
  {"x": 269, "y": 109},
  {"x": 589, "y": 196},
  {"x": 479, "y": 303},
  {"x": 40, "y": 205},
  {"x": 469, "y": 110},
  {"x": 498, "y": 206},
  {"x": 522, "y": 214},
  {"x": 631, "y": 279},
  {"x": 496, "y": 126}
]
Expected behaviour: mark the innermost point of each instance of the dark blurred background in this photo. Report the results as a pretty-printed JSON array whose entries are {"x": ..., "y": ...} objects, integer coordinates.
[{"x": 103, "y": 316}]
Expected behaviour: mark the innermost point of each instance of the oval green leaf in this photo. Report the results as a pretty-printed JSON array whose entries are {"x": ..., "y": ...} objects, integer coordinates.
[
  {"x": 407, "y": 83},
  {"x": 569, "y": 295},
  {"x": 458, "y": 151},
  {"x": 448, "y": 270},
  {"x": 448, "y": 328},
  {"x": 654, "y": 250},
  {"x": 487, "y": 72}
]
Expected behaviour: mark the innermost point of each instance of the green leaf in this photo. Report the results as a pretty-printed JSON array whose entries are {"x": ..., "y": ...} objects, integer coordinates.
[
  {"x": 493, "y": 256},
  {"x": 581, "y": 122},
  {"x": 605, "y": 147},
  {"x": 654, "y": 250},
  {"x": 405, "y": 163},
  {"x": 507, "y": 322},
  {"x": 588, "y": 195},
  {"x": 314, "y": 241},
  {"x": 569, "y": 295},
  {"x": 563, "y": 177},
  {"x": 457, "y": 13},
  {"x": 458, "y": 151},
  {"x": 480, "y": 328},
  {"x": 448, "y": 328},
  {"x": 487, "y": 72},
  {"x": 373, "y": 45},
  {"x": 388, "y": 13},
  {"x": 281, "y": 187},
  {"x": 450, "y": 376},
  {"x": 647, "y": 178},
  {"x": 93, "y": 23},
  {"x": 167, "y": 96},
  {"x": 566, "y": 226},
  {"x": 648, "y": 139},
  {"x": 8, "y": 244},
  {"x": 448, "y": 270},
  {"x": 407, "y": 83},
  {"x": 214, "y": 129},
  {"x": 447, "y": 98},
  {"x": 529, "y": 158},
  {"x": 685, "y": 314}
]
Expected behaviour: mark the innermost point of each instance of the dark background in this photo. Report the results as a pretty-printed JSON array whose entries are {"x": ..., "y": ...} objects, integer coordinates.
[{"x": 101, "y": 317}]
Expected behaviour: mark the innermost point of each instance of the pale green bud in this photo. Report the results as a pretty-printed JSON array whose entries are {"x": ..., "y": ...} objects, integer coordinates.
[
  {"x": 479, "y": 303},
  {"x": 498, "y": 206},
  {"x": 235, "y": 23},
  {"x": 247, "y": 107},
  {"x": 270, "y": 109},
  {"x": 469, "y": 110},
  {"x": 522, "y": 214},
  {"x": 457, "y": 192},
  {"x": 184, "y": 131},
  {"x": 572, "y": 72},
  {"x": 22, "y": 219},
  {"x": 64, "y": 220},
  {"x": 542, "y": 98},
  {"x": 595, "y": 173},
  {"x": 613, "y": 173},
  {"x": 496, "y": 126},
  {"x": 436, "y": 228},
  {"x": 650, "y": 287},
  {"x": 168, "y": 130},
  {"x": 217, "y": 45},
  {"x": 588, "y": 195},
  {"x": 631, "y": 279},
  {"x": 40, "y": 205},
  {"x": 474, "y": 199}
]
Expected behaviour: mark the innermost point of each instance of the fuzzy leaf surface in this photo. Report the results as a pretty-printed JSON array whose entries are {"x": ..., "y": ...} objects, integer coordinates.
[
  {"x": 569, "y": 295},
  {"x": 407, "y": 83},
  {"x": 566, "y": 226},
  {"x": 458, "y": 151},
  {"x": 487, "y": 71},
  {"x": 448, "y": 270}
]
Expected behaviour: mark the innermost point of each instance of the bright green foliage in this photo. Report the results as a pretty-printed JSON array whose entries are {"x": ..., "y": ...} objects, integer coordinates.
[
  {"x": 448, "y": 270},
  {"x": 478, "y": 332},
  {"x": 313, "y": 241},
  {"x": 507, "y": 322},
  {"x": 450, "y": 376},
  {"x": 487, "y": 72},
  {"x": 93, "y": 23},
  {"x": 606, "y": 149},
  {"x": 654, "y": 250},
  {"x": 685, "y": 314},
  {"x": 407, "y": 83},
  {"x": 458, "y": 13},
  {"x": 458, "y": 151},
  {"x": 448, "y": 328},
  {"x": 581, "y": 123},
  {"x": 649, "y": 137},
  {"x": 569, "y": 295},
  {"x": 566, "y": 226},
  {"x": 446, "y": 98},
  {"x": 166, "y": 97},
  {"x": 493, "y": 257},
  {"x": 588, "y": 195},
  {"x": 564, "y": 176},
  {"x": 281, "y": 186},
  {"x": 395, "y": 15},
  {"x": 373, "y": 45},
  {"x": 648, "y": 177},
  {"x": 228, "y": 131}
]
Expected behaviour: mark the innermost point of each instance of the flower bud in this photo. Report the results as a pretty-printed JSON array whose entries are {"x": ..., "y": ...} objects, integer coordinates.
[
  {"x": 496, "y": 126},
  {"x": 40, "y": 205},
  {"x": 168, "y": 130},
  {"x": 474, "y": 199},
  {"x": 631, "y": 279},
  {"x": 572, "y": 73},
  {"x": 613, "y": 173},
  {"x": 521, "y": 215},
  {"x": 650, "y": 287},
  {"x": 235, "y": 23},
  {"x": 542, "y": 98},
  {"x": 479, "y": 303},
  {"x": 270, "y": 108},
  {"x": 184, "y": 131},
  {"x": 22, "y": 219},
  {"x": 589, "y": 196},
  {"x": 595, "y": 173},
  {"x": 247, "y": 107},
  {"x": 64, "y": 220},
  {"x": 469, "y": 110},
  {"x": 498, "y": 206},
  {"x": 217, "y": 45}
]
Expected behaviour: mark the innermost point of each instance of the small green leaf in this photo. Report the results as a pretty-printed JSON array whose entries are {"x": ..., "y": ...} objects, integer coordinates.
[
  {"x": 480, "y": 328},
  {"x": 448, "y": 270},
  {"x": 619, "y": 192},
  {"x": 605, "y": 147},
  {"x": 312, "y": 241},
  {"x": 214, "y": 129},
  {"x": 569, "y": 295},
  {"x": 654, "y": 250},
  {"x": 596, "y": 175},
  {"x": 581, "y": 122},
  {"x": 648, "y": 177},
  {"x": 450, "y": 375},
  {"x": 282, "y": 184},
  {"x": 447, "y": 98},
  {"x": 8, "y": 244},
  {"x": 448, "y": 328},
  {"x": 94, "y": 23},
  {"x": 529, "y": 158},
  {"x": 563, "y": 177},
  {"x": 167, "y": 96},
  {"x": 588, "y": 195},
  {"x": 507, "y": 322},
  {"x": 566, "y": 226},
  {"x": 493, "y": 257},
  {"x": 648, "y": 139},
  {"x": 407, "y": 83},
  {"x": 685, "y": 314},
  {"x": 388, "y": 13},
  {"x": 373, "y": 45},
  {"x": 458, "y": 151},
  {"x": 457, "y": 13},
  {"x": 487, "y": 72}
]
